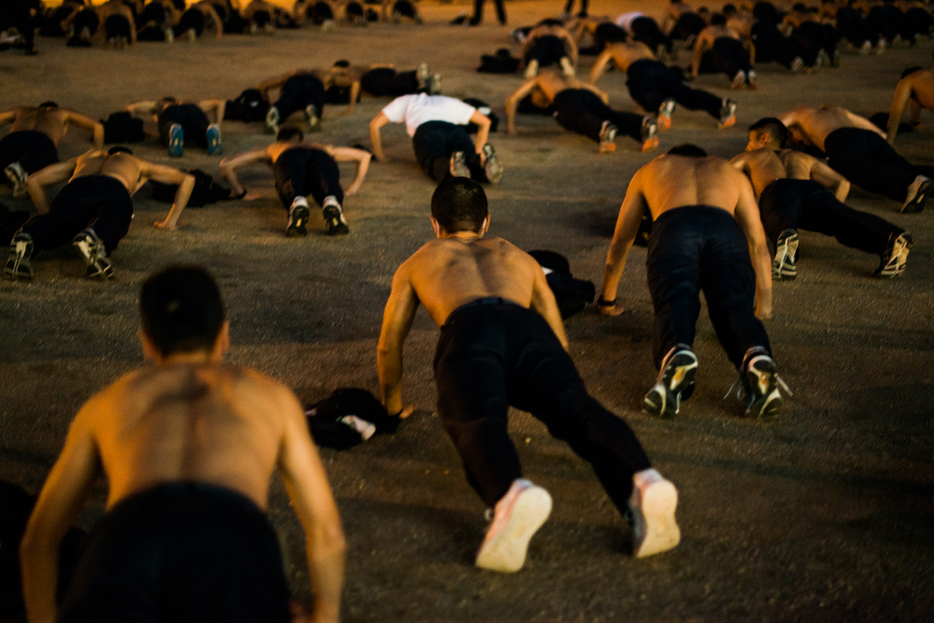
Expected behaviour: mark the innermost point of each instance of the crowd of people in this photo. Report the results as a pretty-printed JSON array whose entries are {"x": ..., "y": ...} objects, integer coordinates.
[{"x": 188, "y": 445}]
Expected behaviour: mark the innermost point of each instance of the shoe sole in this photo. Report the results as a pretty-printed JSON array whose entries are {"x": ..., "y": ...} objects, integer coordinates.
[
  {"x": 664, "y": 399},
  {"x": 335, "y": 225},
  {"x": 97, "y": 267},
  {"x": 506, "y": 551},
  {"x": 768, "y": 404},
  {"x": 15, "y": 268},
  {"x": 916, "y": 204},
  {"x": 901, "y": 262},
  {"x": 664, "y": 116},
  {"x": 660, "y": 530},
  {"x": 783, "y": 265},
  {"x": 494, "y": 172},
  {"x": 19, "y": 184},
  {"x": 214, "y": 143},
  {"x": 298, "y": 222}
]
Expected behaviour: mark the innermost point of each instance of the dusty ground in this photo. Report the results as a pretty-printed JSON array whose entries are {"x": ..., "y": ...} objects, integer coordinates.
[{"x": 825, "y": 514}]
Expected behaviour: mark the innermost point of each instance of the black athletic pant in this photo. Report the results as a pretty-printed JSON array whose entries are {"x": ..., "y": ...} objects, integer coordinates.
[
  {"x": 805, "y": 204},
  {"x": 97, "y": 201},
  {"x": 772, "y": 45},
  {"x": 582, "y": 111},
  {"x": 646, "y": 30},
  {"x": 696, "y": 248},
  {"x": 33, "y": 150},
  {"x": 436, "y": 141},
  {"x": 193, "y": 120},
  {"x": 478, "y": 11},
  {"x": 117, "y": 26},
  {"x": 651, "y": 83},
  {"x": 86, "y": 18},
  {"x": 303, "y": 171},
  {"x": 727, "y": 56},
  {"x": 851, "y": 25},
  {"x": 495, "y": 355},
  {"x": 886, "y": 21},
  {"x": 298, "y": 93},
  {"x": 688, "y": 25},
  {"x": 404, "y": 8},
  {"x": 812, "y": 38},
  {"x": 547, "y": 50},
  {"x": 865, "y": 159},
  {"x": 383, "y": 81},
  {"x": 192, "y": 19}
]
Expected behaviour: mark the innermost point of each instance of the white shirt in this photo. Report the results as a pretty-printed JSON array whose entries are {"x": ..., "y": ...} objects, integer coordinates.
[
  {"x": 414, "y": 110},
  {"x": 625, "y": 20}
]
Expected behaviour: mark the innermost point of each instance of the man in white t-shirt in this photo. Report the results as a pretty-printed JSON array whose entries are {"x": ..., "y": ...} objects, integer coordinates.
[{"x": 437, "y": 125}]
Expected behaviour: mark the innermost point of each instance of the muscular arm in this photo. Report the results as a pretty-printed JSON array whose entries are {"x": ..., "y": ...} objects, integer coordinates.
[
  {"x": 94, "y": 127},
  {"x": 747, "y": 215},
  {"x": 603, "y": 95},
  {"x": 52, "y": 174},
  {"x": 375, "y": 125},
  {"x": 483, "y": 122},
  {"x": 397, "y": 321},
  {"x": 571, "y": 46},
  {"x": 543, "y": 302},
  {"x": 600, "y": 66},
  {"x": 215, "y": 107},
  {"x": 209, "y": 12},
  {"x": 830, "y": 179},
  {"x": 354, "y": 94},
  {"x": 229, "y": 166},
  {"x": 306, "y": 484},
  {"x": 273, "y": 83},
  {"x": 142, "y": 107},
  {"x": 899, "y": 103},
  {"x": 64, "y": 493},
  {"x": 627, "y": 226},
  {"x": 349, "y": 154},
  {"x": 169, "y": 175},
  {"x": 701, "y": 46},
  {"x": 512, "y": 103},
  {"x": 7, "y": 117}
]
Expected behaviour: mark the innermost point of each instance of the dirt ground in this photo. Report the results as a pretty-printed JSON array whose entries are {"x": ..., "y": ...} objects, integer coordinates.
[{"x": 825, "y": 514}]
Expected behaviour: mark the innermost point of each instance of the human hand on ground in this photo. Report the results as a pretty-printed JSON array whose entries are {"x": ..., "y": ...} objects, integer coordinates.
[
  {"x": 165, "y": 225},
  {"x": 610, "y": 310}
]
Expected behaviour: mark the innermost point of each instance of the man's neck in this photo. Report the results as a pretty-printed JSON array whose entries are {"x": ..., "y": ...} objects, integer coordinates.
[{"x": 198, "y": 357}]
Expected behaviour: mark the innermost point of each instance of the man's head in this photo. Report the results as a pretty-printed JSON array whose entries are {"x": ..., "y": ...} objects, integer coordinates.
[
  {"x": 342, "y": 63},
  {"x": 181, "y": 312},
  {"x": 728, "y": 10},
  {"x": 459, "y": 204},
  {"x": 717, "y": 19},
  {"x": 49, "y": 104},
  {"x": 768, "y": 132},
  {"x": 688, "y": 149},
  {"x": 290, "y": 135}
]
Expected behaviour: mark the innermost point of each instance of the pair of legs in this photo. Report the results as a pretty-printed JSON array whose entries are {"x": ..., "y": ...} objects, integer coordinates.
[
  {"x": 687, "y": 27},
  {"x": 816, "y": 40},
  {"x": 650, "y": 83},
  {"x": 91, "y": 212},
  {"x": 771, "y": 45},
  {"x": 25, "y": 152},
  {"x": 180, "y": 121},
  {"x": 645, "y": 29},
  {"x": 478, "y": 12},
  {"x": 547, "y": 50},
  {"x": 582, "y": 111},
  {"x": 437, "y": 144},
  {"x": 728, "y": 56},
  {"x": 304, "y": 171},
  {"x": 189, "y": 551},
  {"x": 493, "y": 354},
  {"x": 16, "y": 14},
  {"x": 867, "y": 160},
  {"x": 851, "y": 25},
  {"x": 302, "y": 92},
  {"x": 789, "y": 205}
]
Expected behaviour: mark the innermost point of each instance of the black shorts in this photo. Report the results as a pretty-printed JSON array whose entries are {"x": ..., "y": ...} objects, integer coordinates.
[
  {"x": 33, "y": 150},
  {"x": 180, "y": 552}
]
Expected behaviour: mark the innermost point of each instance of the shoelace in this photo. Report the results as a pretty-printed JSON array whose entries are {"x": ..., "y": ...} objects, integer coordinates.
[{"x": 739, "y": 378}]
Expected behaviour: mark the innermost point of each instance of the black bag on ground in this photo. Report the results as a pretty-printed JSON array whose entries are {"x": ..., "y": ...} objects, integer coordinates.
[
  {"x": 249, "y": 106},
  {"x": 500, "y": 63},
  {"x": 122, "y": 127},
  {"x": 572, "y": 295},
  {"x": 206, "y": 191},
  {"x": 349, "y": 416}
]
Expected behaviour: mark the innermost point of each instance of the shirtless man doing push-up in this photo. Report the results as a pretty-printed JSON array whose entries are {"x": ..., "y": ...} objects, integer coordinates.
[
  {"x": 502, "y": 344},
  {"x": 188, "y": 448}
]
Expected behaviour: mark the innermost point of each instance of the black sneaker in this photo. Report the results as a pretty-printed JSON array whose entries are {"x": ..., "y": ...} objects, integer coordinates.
[
  {"x": 783, "y": 264},
  {"x": 676, "y": 378},
  {"x": 895, "y": 257},
  {"x": 763, "y": 399},
  {"x": 95, "y": 255},
  {"x": 17, "y": 264},
  {"x": 334, "y": 223},
  {"x": 917, "y": 193},
  {"x": 298, "y": 221},
  {"x": 491, "y": 166}
]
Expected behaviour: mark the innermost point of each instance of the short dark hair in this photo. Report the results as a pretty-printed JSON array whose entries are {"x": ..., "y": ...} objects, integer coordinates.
[
  {"x": 688, "y": 149},
  {"x": 717, "y": 19},
  {"x": 775, "y": 128},
  {"x": 48, "y": 104},
  {"x": 181, "y": 309},
  {"x": 729, "y": 10},
  {"x": 169, "y": 99},
  {"x": 550, "y": 21},
  {"x": 287, "y": 134},
  {"x": 342, "y": 63},
  {"x": 459, "y": 204},
  {"x": 118, "y": 149}
]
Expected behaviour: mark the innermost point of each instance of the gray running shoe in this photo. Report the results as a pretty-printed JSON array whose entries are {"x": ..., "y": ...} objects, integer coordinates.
[
  {"x": 664, "y": 114},
  {"x": 518, "y": 516},
  {"x": 797, "y": 64},
  {"x": 17, "y": 264},
  {"x": 17, "y": 176},
  {"x": 727, "y": 114},
  {"x": 649, "y": 134},
  {"x": 434, "y": 84},
  {"x": 786, "y": 250},
  {"x": 895, "y": 257},
  {"x": 608, "y": 137},
  {"x": 95, "y": 255},
  {"x": 917, "y": 193},
  {"x": 675, "y": 379},
  {"x": 491, "y": 166},
  {"x": 422, "y": 76},
  {"x": 459, "y": 166}
]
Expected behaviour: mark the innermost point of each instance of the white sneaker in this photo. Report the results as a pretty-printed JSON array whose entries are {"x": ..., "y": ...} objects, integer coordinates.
[
  {"x": 531, "y": 70},
  {"x": 652, "y": 506},
  {"x": 519, "y": 514}
]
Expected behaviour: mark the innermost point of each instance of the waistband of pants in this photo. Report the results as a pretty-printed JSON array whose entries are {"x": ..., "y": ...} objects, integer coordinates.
[
  {"x": 482, "y": 302},
  {"x": 695, "y": 209}
]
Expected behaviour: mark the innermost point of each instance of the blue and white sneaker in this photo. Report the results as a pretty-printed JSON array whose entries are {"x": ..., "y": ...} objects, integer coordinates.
[
  {"x": 176, "y": 141},
  {"x": 215, "y": 148}
]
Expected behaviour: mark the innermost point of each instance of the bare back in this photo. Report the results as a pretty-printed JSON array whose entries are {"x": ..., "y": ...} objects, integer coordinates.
[
  {"x": 120, "y": 166},
  {"x": 551, "y": 83},
  {"x": 763, "y": 166},
  {"x": 214, "y": 424},
  {"x": 922, "y": 87},
  {"x": 671, "y": 181},
  {"x": 49, "y": 121},
  {"x": 450, "y": 272},
  {"x": 818, "y": 122},
  {"x": 625, "y": 54}
]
